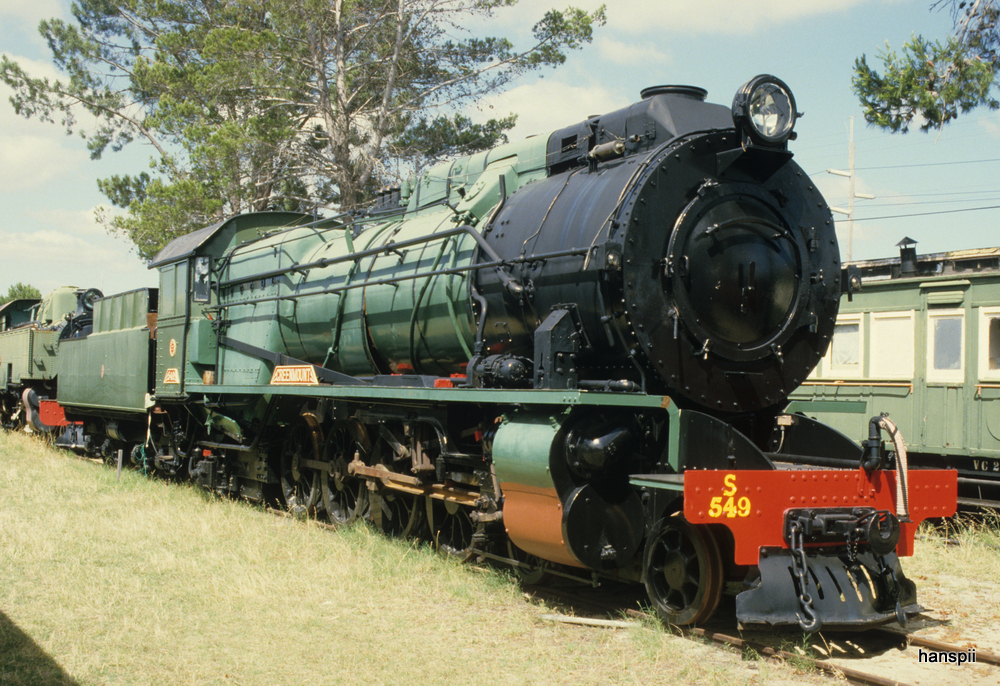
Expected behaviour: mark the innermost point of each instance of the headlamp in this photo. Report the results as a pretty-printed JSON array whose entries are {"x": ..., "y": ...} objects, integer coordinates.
[{"x": 764, "y": 109}]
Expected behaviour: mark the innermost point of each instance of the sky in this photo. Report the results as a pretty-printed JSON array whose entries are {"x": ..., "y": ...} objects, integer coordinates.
[{"x": 928, "y": 187}]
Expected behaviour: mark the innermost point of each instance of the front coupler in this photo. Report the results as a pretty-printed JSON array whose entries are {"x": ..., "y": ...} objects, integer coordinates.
[{"x": 856, "y": 584}]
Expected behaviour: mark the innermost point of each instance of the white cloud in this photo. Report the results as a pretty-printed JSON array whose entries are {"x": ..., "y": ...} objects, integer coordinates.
[
  {"x": 629, "y": 54},
  {"x": 80, "y": 224},
  {"x": 546, "y": 105},
  {"x": 29, "y": 162},
  {"x": 32, "y": 152},
  {"x": 715, "y": 16},
  {"x": 36, "y": 68},
  {"x": 32, "y": 12},
  {"x": 991, "y": 127},
  {"x": 74, "y": 250}
]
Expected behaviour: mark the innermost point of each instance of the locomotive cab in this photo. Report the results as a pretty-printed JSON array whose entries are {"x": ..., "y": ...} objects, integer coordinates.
[{"x": 187, "y": 326}]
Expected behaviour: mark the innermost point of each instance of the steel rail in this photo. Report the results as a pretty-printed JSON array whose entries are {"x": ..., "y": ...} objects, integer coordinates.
[
  {"x": 853, "y": 675},
  {"x": 984, "y": 656},
  {"x": 723, "y": 639}
]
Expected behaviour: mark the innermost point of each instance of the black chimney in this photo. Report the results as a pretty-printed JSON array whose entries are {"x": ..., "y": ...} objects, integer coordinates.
[{"x": 907, "y": 256}]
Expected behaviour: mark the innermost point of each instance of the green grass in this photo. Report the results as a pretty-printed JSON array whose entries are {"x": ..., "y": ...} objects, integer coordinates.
[{"x": 145, "y": 582}]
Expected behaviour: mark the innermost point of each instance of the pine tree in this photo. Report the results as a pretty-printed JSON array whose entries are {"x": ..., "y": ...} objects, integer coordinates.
[
  {"x": 291, "y": 104},
  {"x": 932, "y": 82}
]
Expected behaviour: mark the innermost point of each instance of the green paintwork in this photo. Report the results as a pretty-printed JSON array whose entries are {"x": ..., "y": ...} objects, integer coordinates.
[
  {"x": 336, "y": 314},
  {"x": 182, "y": 320},
  {"x": 270, "y": 324},
  {"x": 122, "y": 311},
  {"x": 171, "y": 326},
  {"x": 202, "y": 343},
  {"x": 403, "y": 394},
  {"x": 27, "y": 355},
  {"x": 110, "y": 368},
  {"x": 521, "y": 448},
  {"x": 229, "y": 427},
  {"x": 30, "y": 355},
  {"x": 959, "y": 417},
  {"x": 835, "y": 406},
  {"x": 410, "y": 323},
  {"x": 57, "y": 304}
]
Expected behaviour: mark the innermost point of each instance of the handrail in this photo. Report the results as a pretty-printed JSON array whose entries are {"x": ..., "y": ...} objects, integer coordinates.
[
  {"x": 509, "y": 282},
  {"x": 407, "y": 277},
  {"x": 879, "y": 384},
  {"x": 981, "y": 386}
]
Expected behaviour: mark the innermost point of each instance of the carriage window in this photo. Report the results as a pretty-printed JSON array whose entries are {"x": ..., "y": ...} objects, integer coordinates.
[
  {"x": 892, "y": 335},
  {"x": 989, "y": 343},
  {"x": 845, "y": 354},
  {"x": 994, "y": 349},
  {"x": 846, "y": 345},
  {"x": 948, "y": 343},
  {"x": 946, "y": 346}
]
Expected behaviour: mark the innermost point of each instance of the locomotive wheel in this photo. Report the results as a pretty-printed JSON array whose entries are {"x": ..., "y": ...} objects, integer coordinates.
[
  {"x": 184, "y": 438},
  {"x": 452, "y": 529},
  {"x": 31, "y": 412},
  {"x": 345, "y": 497},
  {"x": 401, "y": 515},
  {"x": 683, "y": 572},
  {"x": 175, "y": 446},
  {"x": 301, "y": 485},
  {"x": 534, "y": 574},
  {"x": 9, "y": 408}
]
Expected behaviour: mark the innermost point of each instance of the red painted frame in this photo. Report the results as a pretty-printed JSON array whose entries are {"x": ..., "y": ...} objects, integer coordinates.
[
  {"x": 51, "y": 413},
  {"x": 753, "y": 503}
]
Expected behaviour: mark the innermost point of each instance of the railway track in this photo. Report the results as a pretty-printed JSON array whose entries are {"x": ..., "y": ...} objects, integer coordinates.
[
  {"x": 855, "y": 676},
  {"x": 864, "y": 648}
]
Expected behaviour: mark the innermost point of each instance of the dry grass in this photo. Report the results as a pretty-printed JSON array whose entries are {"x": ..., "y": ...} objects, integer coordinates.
[
  {"x": 142, "y": 582},
  {"x": 956, "y": 570}
]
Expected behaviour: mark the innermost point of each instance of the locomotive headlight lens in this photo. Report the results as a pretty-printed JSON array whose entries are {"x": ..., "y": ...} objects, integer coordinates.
[{"x": 765, "y": 109}]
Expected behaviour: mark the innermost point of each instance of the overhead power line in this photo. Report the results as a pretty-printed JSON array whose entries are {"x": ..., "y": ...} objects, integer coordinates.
[
  {"x": 925, "y": 214},
  {"x": 927, "y": 195},
  {"x": 930, "y": 164},
  {"x": 920, "y": 164},
  {"x": 903, "y": 205}
]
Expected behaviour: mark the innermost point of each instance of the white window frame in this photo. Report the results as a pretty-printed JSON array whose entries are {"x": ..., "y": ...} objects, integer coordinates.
[
  {"x": 946, "y": 376},
  {"x": 904, "y": 348},
  {"x": 831, "y": 371},
  {"x": 986, "y": 314}
]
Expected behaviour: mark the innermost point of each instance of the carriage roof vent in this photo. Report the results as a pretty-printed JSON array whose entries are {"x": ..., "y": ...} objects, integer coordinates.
[
  {"x": 692, "y": 92},
  {"x": 907, "y": 256}
]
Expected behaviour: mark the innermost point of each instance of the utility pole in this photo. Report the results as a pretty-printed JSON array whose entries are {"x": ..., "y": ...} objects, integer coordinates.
[{"x": 851, "y": 195}]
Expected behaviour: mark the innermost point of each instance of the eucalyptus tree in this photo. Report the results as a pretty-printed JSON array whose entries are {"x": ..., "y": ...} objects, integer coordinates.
[
  {"x": 933, "y": 81},
  {"x": 298, "y": 104}
]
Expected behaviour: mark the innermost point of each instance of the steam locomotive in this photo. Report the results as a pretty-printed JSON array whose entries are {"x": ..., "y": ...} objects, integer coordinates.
[{"x": 568, "y": 354}]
